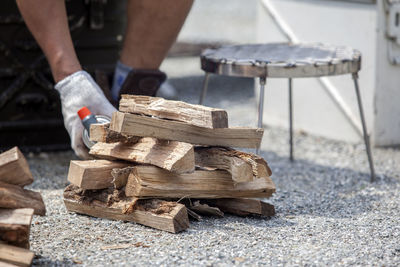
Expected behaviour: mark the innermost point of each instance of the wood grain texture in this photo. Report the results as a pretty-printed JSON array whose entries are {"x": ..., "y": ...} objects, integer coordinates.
[
  {"x": 15, "y": 226},
  {"x": 15, "y": 255},
  {"x": 14, "y": 197},
  {"x": 14, "y": 168},
  {"x": 136, "y": 125},
  {"x": 174, "y": 110},
  {"x": 149, "y": 181},
  {"x": 102, "y": 133},
  {"x": 243, "y": 166},
  {"x": 170, "y": 155},
  {"x": 93, "y": 174},
  {"x": 163, "y": 215},
  {"x": 243, "y": 206}
]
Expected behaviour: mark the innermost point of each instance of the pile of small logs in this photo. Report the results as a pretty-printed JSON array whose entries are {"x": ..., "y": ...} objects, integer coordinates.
[
  {"x": 17, "y": 206},
  {"x": 160, "y": 161}
]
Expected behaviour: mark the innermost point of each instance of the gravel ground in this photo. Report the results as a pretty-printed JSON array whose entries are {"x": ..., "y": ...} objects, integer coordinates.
[{"x": 327, "y": 211}]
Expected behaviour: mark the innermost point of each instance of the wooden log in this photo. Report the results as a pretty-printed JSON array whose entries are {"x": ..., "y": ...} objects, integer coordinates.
[
  {"x": 93, "y": 174},
  {"x": 243, "y": 166},
  {"x": 14, "y": 168},
  {"x": 174, "y": 110},
  {"x": 102, "y": 133},
  {"x": 136, "y": 125},
  {"x": 15, "y": 226},
  {"x": 15, "y": 197},
  {"x": 163, "y": 215},
  {"x": 243, "y": 206},
  {"x": 15, "y": 256},
  {"x": 149, "y": 181},
  {"x": 170, "y": 155}
]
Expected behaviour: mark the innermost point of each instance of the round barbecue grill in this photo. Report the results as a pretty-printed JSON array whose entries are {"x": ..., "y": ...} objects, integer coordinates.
[{"x": 285, "y": 60}]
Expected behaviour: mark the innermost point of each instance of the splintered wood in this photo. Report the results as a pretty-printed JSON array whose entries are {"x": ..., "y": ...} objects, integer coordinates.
[
  {"x": 163, "y": 160},
  {"x": 17, "y": 206},
  {"x": 168, "y": 216},
  {"x": 136, "y": 125},
  {"x": 174, "y": 110}
]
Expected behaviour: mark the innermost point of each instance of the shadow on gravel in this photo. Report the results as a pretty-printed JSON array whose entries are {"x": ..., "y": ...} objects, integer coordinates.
[
  {"x": 304, "y": 187},
  {"x": 44, "y": 261}
]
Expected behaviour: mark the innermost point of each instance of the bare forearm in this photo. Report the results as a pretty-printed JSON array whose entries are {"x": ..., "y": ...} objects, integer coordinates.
[
  {"x": 47, "y": 21},
  {"x": 153, "y": 26}
]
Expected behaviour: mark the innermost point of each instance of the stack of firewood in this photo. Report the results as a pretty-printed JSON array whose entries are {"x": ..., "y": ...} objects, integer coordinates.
[
  {"x": 17, "y": 206},
  {"x": 160, "y": 161}
]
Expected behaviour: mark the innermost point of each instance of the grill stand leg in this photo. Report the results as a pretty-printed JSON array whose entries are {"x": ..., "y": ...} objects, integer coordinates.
[
  {"x": 205, "y": 87},
  {"x": 290, "y": 121},
  {"x": 263, "y": 81},
  {"x": 366, "y": 137}
]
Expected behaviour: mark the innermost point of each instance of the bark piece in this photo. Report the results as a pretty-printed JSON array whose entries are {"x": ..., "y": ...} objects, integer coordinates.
[
  {"x": 15, "y": 197},
  {"x": 120, "y": 176},
  {"x": 243, "y": 166},
  {"x": 136, "y": 125},
  {"x": 93, "y": 174},
  {"x": 102, "y": 133},
  {"x": 243, "y": 207},
  {"x": 14, "y": 168},
  {"x": 149, "y": 181},
  {"x": 15, "y": 255},
  {"x": 163, "y": 215},
  {"x": 170, "y": 155},
  {"x": 205, "y": 209},
  {"x": 174, "y": 110},
  {"x": 15, "y": 226}
]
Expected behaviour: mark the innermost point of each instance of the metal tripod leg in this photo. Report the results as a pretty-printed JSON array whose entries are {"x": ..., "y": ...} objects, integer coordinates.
[
  {"x": 290, "y": 121},
  {"x": 205, "y": 87},
  {"x": 263, "y": 81},
  {"x": 366, "y": 137}
]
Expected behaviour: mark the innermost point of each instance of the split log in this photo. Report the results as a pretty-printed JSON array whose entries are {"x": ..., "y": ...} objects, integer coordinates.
[
  {"x": 15, "y": 226},
  {"x": 136, "y": 125},
  {"x": 170, "y": 155},
  {"x": 174, "y": 110},
  {"x": 15, "y": 255},
  {"x": 149, "y": 181},
  {"x": 163, "y": 215},
  {"x": 102, "y": 133},
  {"x": 242, "y": 206},
  {"x": 243, "y": 166},
  {"x": 93, "y": 174},
  {"x": 14, "y": 168},
  {"x": 15, "y": 197}
]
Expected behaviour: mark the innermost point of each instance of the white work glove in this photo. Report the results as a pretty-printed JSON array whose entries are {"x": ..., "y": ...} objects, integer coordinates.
[{"x": 76, "y": 91}]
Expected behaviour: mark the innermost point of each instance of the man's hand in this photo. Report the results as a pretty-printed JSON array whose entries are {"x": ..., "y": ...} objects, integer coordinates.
[{"x": 76, "y": 91}]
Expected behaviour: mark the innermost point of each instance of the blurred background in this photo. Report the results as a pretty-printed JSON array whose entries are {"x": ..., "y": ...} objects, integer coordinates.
[{"x": 30, "y": 114}]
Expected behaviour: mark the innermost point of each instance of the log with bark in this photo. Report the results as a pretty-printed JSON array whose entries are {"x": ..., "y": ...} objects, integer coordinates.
[
  {"x": 170, "y": 155},
  {"x": 93, "y": 174},
  {"x": 242, "y": 206},
  {"x": 14, "y": 168},
  {"x": 242, "y": 166},
  {"x": 14, "y": 197},
  {"x": 15, "y": 256},
  {"x": 174, "y": 110},
  {"x": 15, "y": 226},
  {"x": 150, "y": 181},
  {"x": 137, "y": 125},
  {"x": 113, "y": 204}
]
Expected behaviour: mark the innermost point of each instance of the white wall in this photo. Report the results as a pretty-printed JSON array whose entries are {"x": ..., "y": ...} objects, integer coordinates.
[
  {"x": 339, "y": 23},
  {"x": 387, "y": 94}
]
